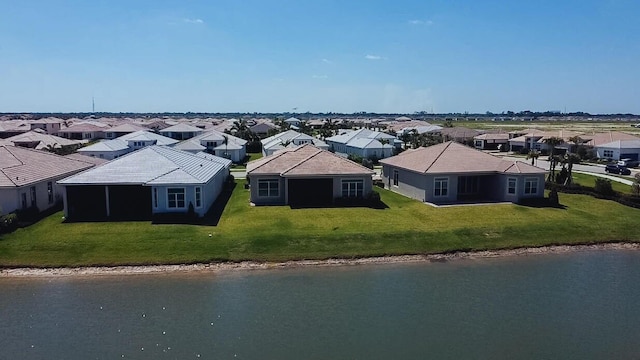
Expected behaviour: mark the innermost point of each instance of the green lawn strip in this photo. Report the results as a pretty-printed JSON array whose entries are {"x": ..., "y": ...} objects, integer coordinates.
[
  {"x": 589, "y": 180},
  {"x": 279, "y": 233}
]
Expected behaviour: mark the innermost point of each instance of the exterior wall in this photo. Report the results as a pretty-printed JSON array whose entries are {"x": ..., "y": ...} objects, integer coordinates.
[
  {"x": 255, "y": 199},
  {"x": 410, "y": 184},
  {"x": 617, "y": 152},
  {"x": 210, "y": 192},
  {"x": 234, "y": 155},
  {"x": 11, "y": 198},
  {"x": 452, "y": 189}
]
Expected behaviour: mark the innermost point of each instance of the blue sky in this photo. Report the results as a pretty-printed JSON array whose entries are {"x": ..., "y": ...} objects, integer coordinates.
[{"x": 320, "y": 56}]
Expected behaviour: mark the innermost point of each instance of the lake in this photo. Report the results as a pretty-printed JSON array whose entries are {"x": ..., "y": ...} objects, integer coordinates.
[{"x": 581, "y": 305}]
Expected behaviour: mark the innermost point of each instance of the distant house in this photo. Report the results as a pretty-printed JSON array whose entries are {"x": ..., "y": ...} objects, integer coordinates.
[
  {"x": 363, "y": 142},
  {"x": 50, "y": 126},
  {"x": 535, "y": 139},
  {"x": 217, "y": 143},
  {"x": 153, "y": 180},
  {"x": 306, "y": 176},
  {"x": 287, "y": 139},
  {"x": 114, "y": 148},
  {"x": 123, "y": 129},
  {"x": 620, "y": 149},
  {"x": 459, "y": 134},
  {"x": 262, "y": 129},
  {"x": 28, "y": 177},
  {"x": 451, "y": 173},
  {"x": 39, "y": 140},
  {"x": 13, "y": 127},
  {"x": 84, "y": 131},
  {"x": 491, "y": 141},
  {"x": 181, "y": 131},
  {"x": 292, "y": 121}
]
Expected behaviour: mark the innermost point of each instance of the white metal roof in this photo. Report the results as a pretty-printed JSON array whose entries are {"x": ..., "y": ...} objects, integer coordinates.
[{"x": 153, "y": 165}]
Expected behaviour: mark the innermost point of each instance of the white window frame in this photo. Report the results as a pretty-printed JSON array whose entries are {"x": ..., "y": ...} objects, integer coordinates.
[
  {"x": 184, "y": 198},
  {"x": 528, "y": 186},
  {"x": 607, "y": 153},
  {"x": 515, "y": 186},
  {"x": 50, "y": 194},
  {"x": 271, "y": 191},
  {"x": 352, "y": 188},
  {"x": 437, "y": 186},
  {"x": 197, "y": 195}
]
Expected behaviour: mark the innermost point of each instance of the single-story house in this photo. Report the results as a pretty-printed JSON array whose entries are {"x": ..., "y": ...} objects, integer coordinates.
[
  {"x": 28, "y": 177},
  {"x": 451, "y": 173},
  {"x": 152, "y": 180},
  {"x": 620, "y": 149},
  {"x": 39, "y": 140},
  {"x": 491, "y": 141},
  {"x": 306, "y": 175},
  {"x": 181, "y": 131},
  {"x": 82, "y": 130},
  {"x": 123, "y": 129},
  {"x": 263, "y": 128},
  {"x": 288, "y": 139},
  {"x": 114, "y": 148},
  {"x": 217, "y": 143},
  {"x": 364, "y": 143}
]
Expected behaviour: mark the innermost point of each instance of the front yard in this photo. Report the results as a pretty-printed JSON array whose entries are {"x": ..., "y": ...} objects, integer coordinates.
[{"x": 281, "y": 233}]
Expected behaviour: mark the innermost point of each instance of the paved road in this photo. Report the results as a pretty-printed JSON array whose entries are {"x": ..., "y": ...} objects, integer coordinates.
[{"x": 597, "y": 170}]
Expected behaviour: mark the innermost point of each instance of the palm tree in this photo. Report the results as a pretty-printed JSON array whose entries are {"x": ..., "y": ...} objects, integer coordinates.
[
  {"x": 553, "y": 142},
  {"x": 225, "y": 141},
  {"x": 569, "y": 160},
  {"x": 533, "y": 155}
]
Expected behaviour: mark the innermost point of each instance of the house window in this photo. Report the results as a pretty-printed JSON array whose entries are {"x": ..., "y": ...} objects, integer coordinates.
[
  {"x": 33, "y": 196},
  {"x": 50, "y": 191},
  {"x": 211, "y": 144},
  {"x": 155, "y": 197},
  {"x": 23, "y": 199},
  {"x": 395, "y": 177},
  {"x": 175, "y": 198},
  {"x": 511, "y": 186},
  {"x": 198, "y": 193},
  {"x": 352, "y": 188},
  {"x": 607, "y": 153},
  {"x": 531, "y": 186},
  {"x": 440, "y": 187},
  {"x": 269, "y": 188}
]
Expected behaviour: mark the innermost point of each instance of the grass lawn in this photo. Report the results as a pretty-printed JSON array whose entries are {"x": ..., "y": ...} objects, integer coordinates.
[
  {"x": 276, "y": 233},
  {"x": 590, "y": 180},
  {"x": 243, "y": 167}
]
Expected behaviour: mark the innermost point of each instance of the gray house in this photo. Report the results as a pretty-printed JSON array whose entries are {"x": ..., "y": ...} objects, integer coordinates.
[
  {"x": 451, "y": 173},
  {"x": 152, "y": 180},
  {"x": 307, "y": 176}
]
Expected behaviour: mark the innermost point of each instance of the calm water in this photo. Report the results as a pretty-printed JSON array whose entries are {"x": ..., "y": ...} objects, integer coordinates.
[{"x": 570, "y": 306}]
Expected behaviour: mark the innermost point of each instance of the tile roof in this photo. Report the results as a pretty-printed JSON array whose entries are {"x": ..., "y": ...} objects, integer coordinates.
[
  {"x": 42, "y": 139},
  {"x": 106, "y": 146},
  {"x": 451, "y": 157},
  {"x": 622, "y": 144},
  {"x": 181, "y": 127},
  {"x": 21, "y": 166},
  {"x": 305, "y": 160},
  {"x": 90, "y": 159},
  {"x": 126, "y": 128},
  {"x": 598, "y": 139},
  {"x": 153, "y": 165},
  {"x": 145, "y": 135}
]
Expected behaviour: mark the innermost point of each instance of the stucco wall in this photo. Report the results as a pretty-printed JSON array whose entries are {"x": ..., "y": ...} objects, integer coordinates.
[
  {"x": 254, "y": 198},
  {"x": 410, "y": 184},
  {"x": 11, "y": 198}
]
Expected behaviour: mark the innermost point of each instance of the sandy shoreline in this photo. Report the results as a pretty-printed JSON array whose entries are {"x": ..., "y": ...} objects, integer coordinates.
[{"x": 253, "y": 265}]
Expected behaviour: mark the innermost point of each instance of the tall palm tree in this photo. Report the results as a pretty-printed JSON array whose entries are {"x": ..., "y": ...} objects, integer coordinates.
[
  {"x": 533, "y": 155},
  {"x": 553, "y": 142},
  {"x": 569, "y": 160},
  {"x": 225, "y": 141}
]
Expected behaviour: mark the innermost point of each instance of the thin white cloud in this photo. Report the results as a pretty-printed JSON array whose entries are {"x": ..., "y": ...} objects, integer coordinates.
[
  {"x": 373, "y": 57},
  {"x": 319, "y": 76},
  {"x": 421, "y": 22},
  {"x": 193, "y": 21},
  {"x": 327, "y": 61}
]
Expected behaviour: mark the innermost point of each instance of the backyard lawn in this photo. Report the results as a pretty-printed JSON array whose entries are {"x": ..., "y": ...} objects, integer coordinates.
[
  {"x": 589, "y": 180},
  {"x": 277, "y": 233}
]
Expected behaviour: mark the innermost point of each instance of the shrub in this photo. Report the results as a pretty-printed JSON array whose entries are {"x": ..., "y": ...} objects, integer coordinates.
[
  {"x": 8, "y": 222},
  {"x": 603, "y": 186}
]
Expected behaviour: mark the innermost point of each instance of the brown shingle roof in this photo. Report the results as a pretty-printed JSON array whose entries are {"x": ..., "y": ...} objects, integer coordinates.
[
  {"x": 305, "y": 160},
  {"x": 451, "y": 157},
  {"x": 20, "y": 166}
]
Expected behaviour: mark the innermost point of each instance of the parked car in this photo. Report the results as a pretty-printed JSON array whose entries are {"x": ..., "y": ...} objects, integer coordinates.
[
  {"x": 617, "y": 169},
  {"x": 628, "y": 162}
]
